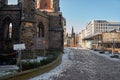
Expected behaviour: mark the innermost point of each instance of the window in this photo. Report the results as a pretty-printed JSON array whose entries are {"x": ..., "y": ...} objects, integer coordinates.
[
  {"x": 12, "y": 2},
  {"x": 10, "y": 30},
  {"x": 40, "y": 30}
]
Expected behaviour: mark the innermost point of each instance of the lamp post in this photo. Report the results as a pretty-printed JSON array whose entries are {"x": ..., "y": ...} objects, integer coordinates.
[
  {"x": 77, "y": 45},
  {"x": 113, "y": 45},
  {"x": 113, "y": 42}
]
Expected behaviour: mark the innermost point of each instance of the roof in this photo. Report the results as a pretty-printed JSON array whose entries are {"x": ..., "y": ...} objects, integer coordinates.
[{"x": 91, "y": 36}]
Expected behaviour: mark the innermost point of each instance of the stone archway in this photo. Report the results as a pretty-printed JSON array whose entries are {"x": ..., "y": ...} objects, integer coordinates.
[{"x": 6, "y": 39}]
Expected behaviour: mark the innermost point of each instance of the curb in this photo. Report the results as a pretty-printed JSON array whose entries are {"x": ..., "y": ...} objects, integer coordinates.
[{"x": 25, "y": 75}]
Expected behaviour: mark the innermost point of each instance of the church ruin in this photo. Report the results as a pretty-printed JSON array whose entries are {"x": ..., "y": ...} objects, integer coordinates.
[{"x": 36, "y": 23}]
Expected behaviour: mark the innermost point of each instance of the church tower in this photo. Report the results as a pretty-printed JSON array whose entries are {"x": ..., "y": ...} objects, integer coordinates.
[
  {"x": 72, "y": 31},
  {"x": 28, "y": 9},
  {"x": 56, "y": 5},
  {"x": 45, "y": 5},
  {"x": 27, "y": 22}
]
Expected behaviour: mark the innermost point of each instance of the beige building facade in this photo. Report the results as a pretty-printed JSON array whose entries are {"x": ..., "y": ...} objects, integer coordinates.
[
  {"x": 95, "y": 30},
  {"x": 108, "y": 41},
  {"x": 98, "y": 26}
]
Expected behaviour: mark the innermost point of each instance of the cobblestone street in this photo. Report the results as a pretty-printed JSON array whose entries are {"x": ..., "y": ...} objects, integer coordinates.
[{"x": 88, "y": 65}]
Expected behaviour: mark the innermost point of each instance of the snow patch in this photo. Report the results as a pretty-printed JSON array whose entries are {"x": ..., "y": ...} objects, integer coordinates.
[
  {"x": 8, "y": 69},
  {"x": 56, "y": 72},
  {"x": 106, "y": 55},
  {"x": 38, "y": 59}
]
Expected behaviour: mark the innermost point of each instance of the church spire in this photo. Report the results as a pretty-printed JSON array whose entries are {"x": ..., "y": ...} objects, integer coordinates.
[{"x": 72, "y": 30}]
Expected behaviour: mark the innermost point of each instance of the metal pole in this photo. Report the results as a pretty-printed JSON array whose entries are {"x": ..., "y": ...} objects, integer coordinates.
[
  {"x": 19, "y": 60},
  {"x": 113, "y": 47},
  {"x": 77, "y": 45}
]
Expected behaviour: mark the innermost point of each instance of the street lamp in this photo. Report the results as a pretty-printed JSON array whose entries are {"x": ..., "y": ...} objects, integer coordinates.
[
  {"x": 113, "y": 42},
  {"x": 113, "y": 45}
]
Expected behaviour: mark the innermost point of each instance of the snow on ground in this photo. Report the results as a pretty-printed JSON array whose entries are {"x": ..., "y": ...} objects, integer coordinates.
[
  {"x": 78, "y": 48},
  {"x": 84, "y": 64},
  {"x": 12, "y": 69},
  {"x": 106, "y": 55},
  {"x": 8, "y": 67},
  {"x": 38, "y": 59},
  {"x": 7, "y": 70},
  {"x": 56, "y": 72},
  {"x": 5, "y": 73}
]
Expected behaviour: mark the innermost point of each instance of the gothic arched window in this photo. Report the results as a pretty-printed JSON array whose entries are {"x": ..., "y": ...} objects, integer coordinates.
[
  {"x": 6, "y": 34},
  {"x": 10, "y": 30},
  {"x": 40, "y": 30},
  {"x": 7, "y": 29}
]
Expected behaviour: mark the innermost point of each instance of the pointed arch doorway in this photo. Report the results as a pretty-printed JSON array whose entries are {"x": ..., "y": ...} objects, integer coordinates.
[
  {"x": 7, "y": 55},
  {"x": 6, "y": 34}
]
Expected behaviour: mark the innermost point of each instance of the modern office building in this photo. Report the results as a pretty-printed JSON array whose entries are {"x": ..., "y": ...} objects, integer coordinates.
[
  {"x": 98, "y": 26},
  {"x": 101, "y": 35}
]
